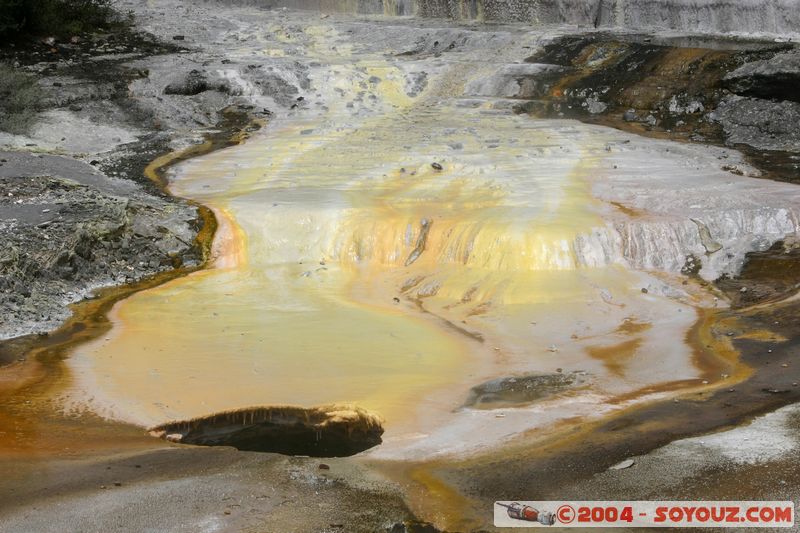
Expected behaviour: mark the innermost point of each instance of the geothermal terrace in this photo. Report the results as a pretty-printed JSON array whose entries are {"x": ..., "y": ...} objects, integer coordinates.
[{"x": 399, "y": 240}]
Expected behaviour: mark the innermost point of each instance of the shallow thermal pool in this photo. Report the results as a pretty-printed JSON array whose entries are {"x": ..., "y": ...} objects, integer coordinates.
[{"x": 349, "y": 269}]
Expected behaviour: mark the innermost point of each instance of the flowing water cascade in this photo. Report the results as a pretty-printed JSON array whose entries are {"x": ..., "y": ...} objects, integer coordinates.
[{"x": 400, "y": 237}]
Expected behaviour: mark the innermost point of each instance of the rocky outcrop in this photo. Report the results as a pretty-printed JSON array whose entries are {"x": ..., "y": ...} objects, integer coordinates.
[
  {"x": 763, "y": 124},
  {"x": 195, "y": 82},
  {"x": 326, "y": 431},
  {"x": 67, "y": 228},
  {"x": 520, "y": 390},
  {"x": 776, "y": 78},
  {"x": 764, "y": 109},
  {"x": 697, "y": 89}
]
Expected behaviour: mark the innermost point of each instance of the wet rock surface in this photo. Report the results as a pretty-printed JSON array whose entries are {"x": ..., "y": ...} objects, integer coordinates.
[
  {"x": 520, "y": 390},
  {"x": 330, "y": 431},
  {"x": 766, "y": 275}
]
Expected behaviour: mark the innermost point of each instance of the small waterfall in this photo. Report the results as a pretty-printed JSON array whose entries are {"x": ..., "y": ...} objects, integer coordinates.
[{"x": 487, "y": 242}]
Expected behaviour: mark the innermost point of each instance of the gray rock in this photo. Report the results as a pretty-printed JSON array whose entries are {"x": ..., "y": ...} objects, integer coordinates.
[
  {"x": 708, "y": 242},
  {"x": 594, "y": 105},
  {"x": 67, "y": 228},
  {"x": 760, "y": 123},
  {"x": 776, "y": 78},
  {"x": 329, "y": 431},
  {"x": 627, "y": 463},
  {"x": 195, "y": 82},
  {"x": 520, "y": 390}
]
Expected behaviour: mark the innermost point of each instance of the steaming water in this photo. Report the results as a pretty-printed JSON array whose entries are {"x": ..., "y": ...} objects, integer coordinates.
[{"x": 348, "y": 268}]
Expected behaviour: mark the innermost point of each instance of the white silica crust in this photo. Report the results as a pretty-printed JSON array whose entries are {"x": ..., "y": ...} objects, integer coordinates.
[{"x": 768, "y": 438}]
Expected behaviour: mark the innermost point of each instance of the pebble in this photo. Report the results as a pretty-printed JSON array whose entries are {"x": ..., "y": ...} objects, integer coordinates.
[{"x": 627, "y": 463}]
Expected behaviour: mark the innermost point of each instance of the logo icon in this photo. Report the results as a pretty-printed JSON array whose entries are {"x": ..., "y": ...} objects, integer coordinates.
[
  {"x": 517, "y": 511},
  {"x": 565, "y": 514}
]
